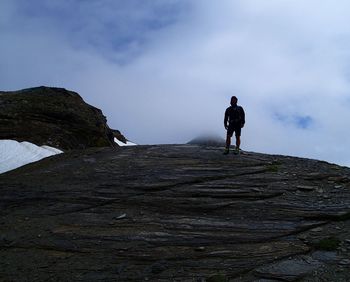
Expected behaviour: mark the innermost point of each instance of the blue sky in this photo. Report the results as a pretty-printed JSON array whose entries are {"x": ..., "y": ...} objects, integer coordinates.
[{"x": 163, "y": 71}]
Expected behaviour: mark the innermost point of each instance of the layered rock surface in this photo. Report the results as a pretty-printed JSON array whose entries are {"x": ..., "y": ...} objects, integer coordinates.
[
  {"x": 52, "y": 116},
  {"x": 175, "y": 213}
]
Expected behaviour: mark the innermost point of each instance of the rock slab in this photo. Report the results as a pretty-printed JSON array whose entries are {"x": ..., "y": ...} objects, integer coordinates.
[{"x": 174, "y": 213}]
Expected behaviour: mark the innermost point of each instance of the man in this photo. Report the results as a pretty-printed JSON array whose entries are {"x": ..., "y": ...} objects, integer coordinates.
[{"x": 235, "y": 117}]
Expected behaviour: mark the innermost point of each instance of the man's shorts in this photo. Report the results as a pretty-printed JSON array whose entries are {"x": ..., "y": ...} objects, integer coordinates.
[{"x": 234, "y": 128}]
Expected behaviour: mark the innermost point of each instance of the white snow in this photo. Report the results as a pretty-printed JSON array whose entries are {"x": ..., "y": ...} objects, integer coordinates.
[
  {"x": 120, "y": 143},
  {"x": 14, "y": 154}
]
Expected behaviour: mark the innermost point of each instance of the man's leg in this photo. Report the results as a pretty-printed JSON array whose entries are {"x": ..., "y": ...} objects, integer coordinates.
[
  {"x": 238, "y": 141},
  {"x": 228, "y": 141},
  {"x": 228, "y": 144}
]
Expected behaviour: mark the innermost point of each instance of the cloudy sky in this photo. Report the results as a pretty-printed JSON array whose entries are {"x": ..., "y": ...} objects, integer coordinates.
[{"x": 163, "y": 71}]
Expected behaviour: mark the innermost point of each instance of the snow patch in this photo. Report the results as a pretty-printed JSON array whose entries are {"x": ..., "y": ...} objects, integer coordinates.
[
  {"x": 120, "y": 143},
  {"x": 14, "y": 154}
]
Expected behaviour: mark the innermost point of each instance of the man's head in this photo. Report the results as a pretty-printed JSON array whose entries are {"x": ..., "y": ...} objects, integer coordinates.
[{"x": 234, "y": 100}]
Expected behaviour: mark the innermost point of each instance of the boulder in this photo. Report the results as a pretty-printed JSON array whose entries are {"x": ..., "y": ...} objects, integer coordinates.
[{"x": 52, "y": 116}]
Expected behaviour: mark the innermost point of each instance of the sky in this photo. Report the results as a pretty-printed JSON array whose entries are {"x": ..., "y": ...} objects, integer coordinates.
[{"x": 163, "y": 71}]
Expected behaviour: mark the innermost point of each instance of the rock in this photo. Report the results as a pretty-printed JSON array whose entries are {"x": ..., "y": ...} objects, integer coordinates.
[
  {"x": 122, "y": 216},
  {"x": 344, "y": 262},
  {"x": 117, "y": 134},
  {"x": 174, "y": 213},
  {"x": 317, "y": 229},
  {"x": 200, "y": 249},
  {"x": 217, "y": 278},
  {"x": 159, "y": 267},
  {"x": 306, "y": 188},
  {"x": 266, "y": 280},
  {"x": 288, "y": 270},
  {"x": 208, "y": 140},
  {"x": 325, "y": 256},
  {"x": 319, "y": 190},
  {"x": 52, "y": 116}
]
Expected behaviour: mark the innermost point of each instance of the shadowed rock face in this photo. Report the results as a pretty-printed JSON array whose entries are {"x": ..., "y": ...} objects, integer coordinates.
[
  {"x": 52, "y": 116},
  {"x": 175, "y": 213},
  {"x": 117, "y": 134}
]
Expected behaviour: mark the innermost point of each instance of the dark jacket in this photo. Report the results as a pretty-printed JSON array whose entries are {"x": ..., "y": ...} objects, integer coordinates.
[{"x": 235, "y": 116}]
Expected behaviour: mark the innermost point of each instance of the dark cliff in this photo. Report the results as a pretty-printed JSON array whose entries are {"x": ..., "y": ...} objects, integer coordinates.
[{"x": 52, "y": 116}]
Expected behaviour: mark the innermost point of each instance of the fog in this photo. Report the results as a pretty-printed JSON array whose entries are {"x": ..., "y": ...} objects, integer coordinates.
[{"x": 164, "y": 71}]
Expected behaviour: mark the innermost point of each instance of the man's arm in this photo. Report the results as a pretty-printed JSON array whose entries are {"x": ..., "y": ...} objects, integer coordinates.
[
  {"x": 226, "y": 119},
  {"x": 243, "y": 117}
]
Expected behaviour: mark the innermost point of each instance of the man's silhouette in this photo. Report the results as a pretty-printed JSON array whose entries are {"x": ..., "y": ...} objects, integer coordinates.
[{"x": 234, "y": 120}]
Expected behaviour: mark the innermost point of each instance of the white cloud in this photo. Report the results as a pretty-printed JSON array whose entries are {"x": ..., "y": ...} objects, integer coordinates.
[{"x": 173, "y": 81}]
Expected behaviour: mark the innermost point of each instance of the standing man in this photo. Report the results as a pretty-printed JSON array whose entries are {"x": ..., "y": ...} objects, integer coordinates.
[{"x": 235, "y": 117}]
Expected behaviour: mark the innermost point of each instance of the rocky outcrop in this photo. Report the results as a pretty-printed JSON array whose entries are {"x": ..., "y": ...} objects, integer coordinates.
[
  {"x": 208, "y": 140},
  {"x": 52, "y": 116},
  {"x": 175, "y": 213},
  {"x": 117, "y": 134}
]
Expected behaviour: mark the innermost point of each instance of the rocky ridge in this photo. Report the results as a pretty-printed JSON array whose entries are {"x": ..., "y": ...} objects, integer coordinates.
[
  {"x": 52, "y": 116},
  {"x": 175, "y": 213}
]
